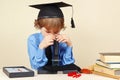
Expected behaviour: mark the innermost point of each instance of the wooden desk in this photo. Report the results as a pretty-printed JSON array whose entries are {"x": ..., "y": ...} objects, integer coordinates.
[{"x": 55, "y": 77}]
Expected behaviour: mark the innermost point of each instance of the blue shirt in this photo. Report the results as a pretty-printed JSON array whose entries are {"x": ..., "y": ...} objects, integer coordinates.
[{"x": 37, "y": 56}]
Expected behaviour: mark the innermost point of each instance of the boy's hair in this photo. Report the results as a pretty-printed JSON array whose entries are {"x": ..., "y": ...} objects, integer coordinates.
[{"x": 50, "y": 22}]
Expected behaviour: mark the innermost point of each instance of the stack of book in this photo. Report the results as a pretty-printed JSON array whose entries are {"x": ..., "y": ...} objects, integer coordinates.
[{"x": 109, "y": 63}]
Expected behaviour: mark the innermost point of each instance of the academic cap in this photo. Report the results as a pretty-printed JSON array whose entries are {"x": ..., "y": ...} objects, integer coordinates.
[{"x": 52, "y": 10}]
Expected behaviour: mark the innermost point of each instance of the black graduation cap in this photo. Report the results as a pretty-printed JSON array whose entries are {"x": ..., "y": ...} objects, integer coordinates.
[{"x": 52, "y": 10}]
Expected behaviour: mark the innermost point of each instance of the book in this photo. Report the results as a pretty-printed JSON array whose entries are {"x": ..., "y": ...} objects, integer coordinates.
[
  {"x": 18, "y": 71},
  {"x": 110, "y": 57},
  {"x": 106, "y": 70},
  {"x": 113, "y": 65},
  {"x": 101, "y": 63},
  {"x": 106, "y": 75}
]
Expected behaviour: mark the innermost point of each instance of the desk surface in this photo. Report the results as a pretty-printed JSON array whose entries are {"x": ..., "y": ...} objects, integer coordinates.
[{"x": 55, "y": 77}]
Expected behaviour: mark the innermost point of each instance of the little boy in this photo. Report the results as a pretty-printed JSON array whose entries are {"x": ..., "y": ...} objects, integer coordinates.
[{"x": 50, "y": 22}]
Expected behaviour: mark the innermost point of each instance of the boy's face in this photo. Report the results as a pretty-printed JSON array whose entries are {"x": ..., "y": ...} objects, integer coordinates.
[{"x": 53, "y": 31}]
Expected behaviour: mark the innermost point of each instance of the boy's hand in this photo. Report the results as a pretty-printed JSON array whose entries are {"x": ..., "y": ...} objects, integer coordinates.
[
  {"x": 63, "y": 38},
  {"x": 48, "y": 39}
]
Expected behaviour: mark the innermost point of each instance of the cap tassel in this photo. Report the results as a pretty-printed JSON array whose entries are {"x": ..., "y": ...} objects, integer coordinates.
[{"x": 72, "y": 23}]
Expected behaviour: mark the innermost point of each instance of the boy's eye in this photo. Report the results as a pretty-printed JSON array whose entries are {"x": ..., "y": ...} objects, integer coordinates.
[
  {"x": 55, "y": 32},
  {"x": 48, "y": 31}
]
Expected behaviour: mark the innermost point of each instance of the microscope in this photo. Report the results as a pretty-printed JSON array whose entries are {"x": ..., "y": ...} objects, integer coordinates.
[{"x": 56, "y": 67}]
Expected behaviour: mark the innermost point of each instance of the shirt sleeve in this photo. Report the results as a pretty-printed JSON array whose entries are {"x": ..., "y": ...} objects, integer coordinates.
[
  {"x": 67, "y": 55},
  {"x": 36, "y": 55}
]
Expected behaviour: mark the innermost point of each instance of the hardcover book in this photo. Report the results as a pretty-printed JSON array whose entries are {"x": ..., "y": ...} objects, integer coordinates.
[
  {"x": 113, "y": 65},
  {"x": 110, "y": 57},
  {"x": 110, "y": 71}
]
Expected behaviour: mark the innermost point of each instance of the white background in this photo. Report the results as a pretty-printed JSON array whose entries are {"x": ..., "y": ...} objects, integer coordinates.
[{"x": 97, "y": 29}]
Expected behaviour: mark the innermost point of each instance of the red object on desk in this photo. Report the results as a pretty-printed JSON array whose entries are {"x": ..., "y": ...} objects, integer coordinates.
[
  {"x": 77, "y": 75},
  {"x": 86, "y": 71},
  {"x": 74, "y": 74}
]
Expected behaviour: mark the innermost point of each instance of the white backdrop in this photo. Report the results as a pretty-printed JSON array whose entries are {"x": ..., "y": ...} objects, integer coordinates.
[{"x": 97, "y": 29}]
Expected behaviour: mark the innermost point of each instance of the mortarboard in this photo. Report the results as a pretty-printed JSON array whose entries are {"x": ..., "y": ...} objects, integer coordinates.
[{"x": 52, "y": 10}]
